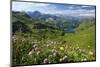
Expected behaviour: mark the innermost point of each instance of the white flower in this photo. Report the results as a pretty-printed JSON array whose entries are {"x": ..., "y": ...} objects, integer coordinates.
[
  {"x": 35, "y": 59},
  {"x": 38, "y": 52},
  {"x": 50, "y": 56},
  {"x": 48, "y": 45},
  {"x": 65, "y": 57},
  {"x": 14, "y": 38},
  {"x": 51, "y": 42},
  {"x": 34, "y": 46},
  {"x": 84, "y": 59},
  {"x": 54, "y": 42},
  {"x": 56, "y": 51},
  {"x": 45, "y": 60},
  {"x": 31, "y": 52},
  {"x": 52, "y": 50},
  {"x": 23, "y": 40},
  {"x": 82, "y": 50},
  {"x": 36, "y": 49}
]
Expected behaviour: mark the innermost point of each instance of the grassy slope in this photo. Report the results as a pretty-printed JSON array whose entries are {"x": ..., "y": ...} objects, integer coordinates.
[
  {"x": 83, "y": 39},
  {"x": 79, "y": 46}
]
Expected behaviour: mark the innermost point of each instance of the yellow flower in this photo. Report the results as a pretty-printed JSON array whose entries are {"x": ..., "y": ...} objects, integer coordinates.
[
  {"x": 60, "y": 59},
  {"x": 88, "y": 46},
  {"x": 90, "y": 53},
  {"x": 54, "y": 47},
  {"x": 78, "y": 47},
  {"x": 61, "y": 48},
  {"x": 84, "y": 59}
]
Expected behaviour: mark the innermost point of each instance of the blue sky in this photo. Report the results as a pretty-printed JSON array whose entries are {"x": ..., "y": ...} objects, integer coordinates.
[{"x": 54, "y": 8}]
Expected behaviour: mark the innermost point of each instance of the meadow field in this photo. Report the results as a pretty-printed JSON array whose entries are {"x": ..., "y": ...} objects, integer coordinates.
[{"x": 39, "y": 38}]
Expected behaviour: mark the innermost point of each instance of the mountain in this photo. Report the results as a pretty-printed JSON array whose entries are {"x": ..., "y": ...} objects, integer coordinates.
[
  {"x": 21, "y": 16},
  {"x": 41, "y": 20},
  {"x": 39, "y": 15},
  {"x": 35, "y": 14}
]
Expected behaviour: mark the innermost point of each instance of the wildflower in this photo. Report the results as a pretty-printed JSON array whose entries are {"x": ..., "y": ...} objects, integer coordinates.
[
  {"x": 48, "y": 45},
  {"x": 45, "y": 61},
  {"x": 30, "y": 53},
  {"x": 34, "y": 46},
  {"x": 36, "y": 49},
  {"x": 52, "y": 50},
  {"x": 66, "y": 46},
  {"x": 51, "y": 42},
  {"x": 55, "y": 42},
  {"x": 57, "y": 58},
  {"x": 13, "y": 37},
  {"x": 78, "y": 47},
  {"x": 38, "y": 53},
  {"x": 82, "y": 50},
  {"x": 55, "y": 52},
  {"x": 50, "y": 56},
  {"x": 23, "y": 40},
  {"x": 88, "y": 46},
  {"x": 65, "y": 57},
  {"x": 35, "y": 59},
  {"x": 61, "y": 48},
  {"x": 54, "y": 47},
  {"x": 60, "y": 59},
  {"x": 84, "y": 59},
  {"x": 90, "y": 53}
]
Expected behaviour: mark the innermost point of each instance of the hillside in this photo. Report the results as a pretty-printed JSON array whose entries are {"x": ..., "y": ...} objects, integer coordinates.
[{"x": 51, "y": 40}]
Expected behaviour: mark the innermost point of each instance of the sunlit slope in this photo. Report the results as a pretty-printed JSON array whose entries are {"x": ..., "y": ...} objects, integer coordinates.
[{"x": 84, "y": 37}]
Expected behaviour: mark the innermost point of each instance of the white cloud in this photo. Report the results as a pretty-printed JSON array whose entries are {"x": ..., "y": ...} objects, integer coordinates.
[
  {"x": 85, "y": 6},
  {"x": 40, "y": 5},
  {"x": 27, "y": 6},
  {"x": 89, "y": 15},
  {"x": 48, "y": 9}
]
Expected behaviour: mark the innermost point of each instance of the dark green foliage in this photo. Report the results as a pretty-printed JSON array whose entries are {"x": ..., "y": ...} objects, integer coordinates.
[
  {"x": 42, "y": 26},
  {"x": 20, "y": 27}
]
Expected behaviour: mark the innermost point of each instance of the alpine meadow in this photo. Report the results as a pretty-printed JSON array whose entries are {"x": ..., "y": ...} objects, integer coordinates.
[{"x": 51, "y": 33}]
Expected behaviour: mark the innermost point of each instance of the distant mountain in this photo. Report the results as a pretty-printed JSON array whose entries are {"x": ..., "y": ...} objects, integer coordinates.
[
  {"x": 21, "y": 16},
  {"x": 39, "y": 15},
  {"x": 35, "y": 14},
  {"x": 55, "y": 21}
]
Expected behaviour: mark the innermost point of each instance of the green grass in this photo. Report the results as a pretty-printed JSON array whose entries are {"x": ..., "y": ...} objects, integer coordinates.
[
  {"x": 48, "y": 46},
  {"x": 82, "y": 40}
]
